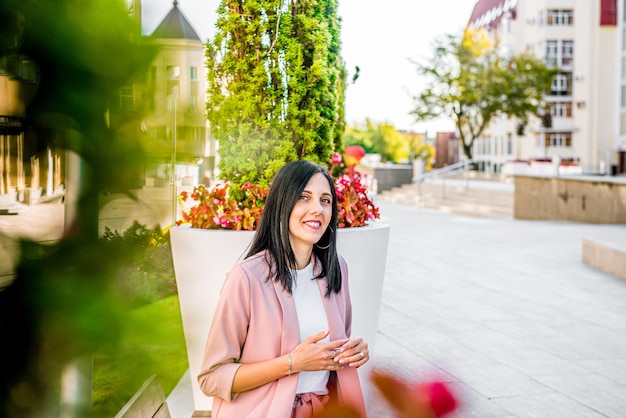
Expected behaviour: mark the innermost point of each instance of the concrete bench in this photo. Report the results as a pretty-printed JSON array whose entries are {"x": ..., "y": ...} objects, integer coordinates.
[
  {"x": 148, "y": 402},
  {"x": 606, "y": 255}
]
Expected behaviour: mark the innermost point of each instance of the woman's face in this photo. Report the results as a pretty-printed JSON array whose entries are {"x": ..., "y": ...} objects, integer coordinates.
[{"x": 311, "y": 214}]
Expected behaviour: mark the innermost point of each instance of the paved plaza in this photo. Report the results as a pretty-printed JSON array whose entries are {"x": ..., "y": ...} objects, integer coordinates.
[
  {"x": 503, "y": 310},
  {"x": 506, "y": 312}
]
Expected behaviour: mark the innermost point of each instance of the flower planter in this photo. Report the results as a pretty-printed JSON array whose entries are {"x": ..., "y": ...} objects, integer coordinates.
[{"x": 202, "y": 258}]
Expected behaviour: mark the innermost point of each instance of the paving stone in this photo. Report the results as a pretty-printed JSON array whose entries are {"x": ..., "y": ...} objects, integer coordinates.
[
  {"x": 536, "y": 362},
  {"x": 552, "y": 405},
  {"x": 499, "y": 380},
  {"x": 614, "y": 369},
  {"x": 591, "y": 389}
]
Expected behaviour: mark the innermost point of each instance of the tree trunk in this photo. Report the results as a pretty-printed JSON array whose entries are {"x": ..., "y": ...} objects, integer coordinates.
[{"x": 467, "y": 149}]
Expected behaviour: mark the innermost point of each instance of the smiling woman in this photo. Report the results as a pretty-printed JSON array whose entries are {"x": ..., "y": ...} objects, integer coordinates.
[
  {"x": 286, "y": 347},
  {"x": 203, "y": 257}
]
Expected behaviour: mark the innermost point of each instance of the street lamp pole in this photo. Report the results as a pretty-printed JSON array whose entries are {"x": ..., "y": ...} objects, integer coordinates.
[{"x": 174, "y": 194}]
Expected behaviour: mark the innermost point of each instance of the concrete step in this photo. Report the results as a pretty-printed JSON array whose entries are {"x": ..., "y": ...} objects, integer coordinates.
[
  {"x": 469, "y": 208},
  {"x": 464, "y": 198}
]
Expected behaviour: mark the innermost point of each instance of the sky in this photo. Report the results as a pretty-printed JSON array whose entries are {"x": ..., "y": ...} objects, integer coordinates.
[{"x": 381, "y": 37}]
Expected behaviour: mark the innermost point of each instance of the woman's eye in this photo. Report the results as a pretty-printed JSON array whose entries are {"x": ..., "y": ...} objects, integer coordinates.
[
  {"x": 304, "y": 197},
  {"x": 326, "y": 201}
]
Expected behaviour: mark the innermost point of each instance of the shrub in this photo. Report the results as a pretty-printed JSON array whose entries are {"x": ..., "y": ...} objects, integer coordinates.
[{"x": 146, "y": 271}]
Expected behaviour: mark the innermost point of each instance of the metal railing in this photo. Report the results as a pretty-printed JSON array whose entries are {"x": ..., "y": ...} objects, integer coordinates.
[{"x": 443, "y": 173}]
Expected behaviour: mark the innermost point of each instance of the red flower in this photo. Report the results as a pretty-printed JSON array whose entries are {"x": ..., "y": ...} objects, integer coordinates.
[
  {"x": 408, "y": 400},
  {"x": 354, "y": 154},
  {"x": 415, "y": 400}
]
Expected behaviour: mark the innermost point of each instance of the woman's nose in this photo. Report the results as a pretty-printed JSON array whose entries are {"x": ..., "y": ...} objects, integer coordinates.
[{"x": 317, "y": 207}]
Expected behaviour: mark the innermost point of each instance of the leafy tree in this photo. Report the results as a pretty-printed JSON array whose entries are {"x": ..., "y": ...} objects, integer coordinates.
[
  {"x": 419, "y": 149},
  {"x": 276, "y": 85},
  {"x": 471, "y": 83},
  {"x": 386, "y": 140},
  {"x": 356, "y": 135}
]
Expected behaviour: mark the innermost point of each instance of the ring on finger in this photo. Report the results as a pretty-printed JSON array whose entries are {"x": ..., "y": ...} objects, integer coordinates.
[{"x": 362, "y": 355}]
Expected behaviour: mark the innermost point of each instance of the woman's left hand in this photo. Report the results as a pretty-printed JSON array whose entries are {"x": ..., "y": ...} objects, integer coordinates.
[{"x": 354, "y": 353}]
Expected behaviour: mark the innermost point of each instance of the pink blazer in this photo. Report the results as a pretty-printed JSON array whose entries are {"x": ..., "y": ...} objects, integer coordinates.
[{"x": 256, "y": 320}]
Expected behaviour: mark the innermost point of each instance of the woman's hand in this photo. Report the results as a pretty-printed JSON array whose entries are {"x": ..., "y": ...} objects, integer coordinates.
[
  {"x": 354, "y": 353},
  {"x": 312, "y": 355}
]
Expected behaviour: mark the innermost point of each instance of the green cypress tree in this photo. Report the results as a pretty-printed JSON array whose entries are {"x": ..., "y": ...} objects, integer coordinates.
[{"x": 275, "y": 85}]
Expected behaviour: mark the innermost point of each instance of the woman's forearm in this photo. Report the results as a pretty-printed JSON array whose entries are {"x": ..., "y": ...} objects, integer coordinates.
[{"x": 252, "y": 375}]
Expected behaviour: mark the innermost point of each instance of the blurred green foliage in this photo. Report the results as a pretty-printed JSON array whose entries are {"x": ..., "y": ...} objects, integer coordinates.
[{"x": 63, "y": 303}]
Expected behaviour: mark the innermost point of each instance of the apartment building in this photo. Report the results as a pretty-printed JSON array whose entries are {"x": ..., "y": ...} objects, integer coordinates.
[{"x": 584, "y": 125}]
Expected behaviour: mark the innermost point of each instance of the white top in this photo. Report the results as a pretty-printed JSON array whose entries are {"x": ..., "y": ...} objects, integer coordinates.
[{"x": 311, "y": 319}]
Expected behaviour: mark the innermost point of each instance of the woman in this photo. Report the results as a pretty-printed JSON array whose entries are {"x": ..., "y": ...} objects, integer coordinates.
[{"x": 279, "y": 345}]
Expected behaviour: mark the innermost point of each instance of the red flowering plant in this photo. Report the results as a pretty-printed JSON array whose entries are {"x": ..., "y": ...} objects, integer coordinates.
[
  {"x": 216, "y": 208},
  {"x": 355, "y": 206}
]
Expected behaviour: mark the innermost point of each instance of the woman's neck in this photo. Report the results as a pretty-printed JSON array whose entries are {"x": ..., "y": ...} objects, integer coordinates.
[{"x": 303, "y": 257}]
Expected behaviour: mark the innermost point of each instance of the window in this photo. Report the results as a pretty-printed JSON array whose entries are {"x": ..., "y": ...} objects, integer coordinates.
[
  {"x": 509, "y": 143},
  {"x": 559, "y": 140},
  {"x": 173, "y": 72},
  {"x": 30, "y": 71},
  {"x": 559, "y": 53},
  {"x": 193, "y": 73},
  {"x": 560, "y": 109},
  {"x": 561, "y": 85},
  {"x": 552, "y": 53},
  {"x": 194, "y": 103},
  {"x": 158, "y": 133},
  {"x": 194, "y": 91},
  {"x": 127, "y": 99},
  {"x": 567, "y": 53},
  {"x": 560, "y": 18}
]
